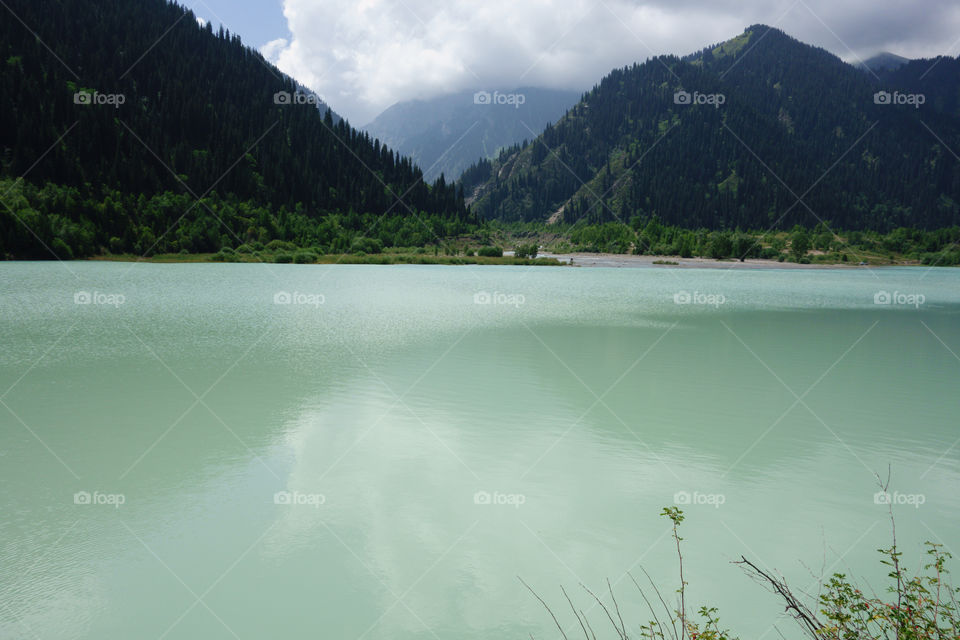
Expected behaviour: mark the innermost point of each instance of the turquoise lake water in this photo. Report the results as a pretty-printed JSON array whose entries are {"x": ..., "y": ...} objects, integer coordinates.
[{"x": 285, "y": 451}]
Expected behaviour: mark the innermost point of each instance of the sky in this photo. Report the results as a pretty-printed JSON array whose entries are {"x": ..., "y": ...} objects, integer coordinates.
[{"x": 361, "y": 56}]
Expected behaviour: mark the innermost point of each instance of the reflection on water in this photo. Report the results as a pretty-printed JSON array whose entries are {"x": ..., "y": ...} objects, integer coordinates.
[{"x": 390, "y": 461}]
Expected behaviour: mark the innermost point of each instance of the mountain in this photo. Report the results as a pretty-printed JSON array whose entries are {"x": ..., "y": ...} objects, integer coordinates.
[
  {"x": 734, "y": 135},
  {"x": 120, "y": 115},
  {"x": 883, "y": 61},
  {"x": 322, "y": 106},
  {"x": 449, "y": 133}
]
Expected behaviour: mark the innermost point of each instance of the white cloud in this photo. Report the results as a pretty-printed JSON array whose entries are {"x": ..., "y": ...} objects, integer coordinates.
[
  {"x": 201, "y": 21},
  {"x": 361, "y": 56}
]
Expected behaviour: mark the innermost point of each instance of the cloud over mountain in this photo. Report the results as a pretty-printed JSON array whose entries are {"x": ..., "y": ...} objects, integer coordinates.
[{"x": 362, "y": 56}]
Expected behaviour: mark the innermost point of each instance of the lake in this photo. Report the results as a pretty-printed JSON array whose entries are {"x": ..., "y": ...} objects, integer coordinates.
[{"x": 284, "y": 451}]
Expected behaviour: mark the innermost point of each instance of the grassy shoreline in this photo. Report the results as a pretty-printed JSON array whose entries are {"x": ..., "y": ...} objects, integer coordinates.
[
  {"x": 379, "y": 258},
  {"x": 540, "y": 250},
  {"x": 586, "y": 260}
]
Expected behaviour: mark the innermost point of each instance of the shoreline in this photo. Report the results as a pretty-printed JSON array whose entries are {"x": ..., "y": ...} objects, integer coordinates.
[
  {"x": 545, "y": 259},
  {"x": 629, "y": 261}
]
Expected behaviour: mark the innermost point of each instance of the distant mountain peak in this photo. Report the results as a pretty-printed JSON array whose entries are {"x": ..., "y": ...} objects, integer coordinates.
[
  {"x": 448, "y": 133},
  {"x": 741, "y": 43},
  {"x": 883, "y": 61}
]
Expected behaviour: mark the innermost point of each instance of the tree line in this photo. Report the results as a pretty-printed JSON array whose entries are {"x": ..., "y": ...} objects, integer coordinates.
[{"x": 111, "y": 130}]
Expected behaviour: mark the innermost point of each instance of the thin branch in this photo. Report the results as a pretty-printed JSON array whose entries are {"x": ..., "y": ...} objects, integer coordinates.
[
  {"x": 574, "y": 612},
  {"x": 588, "y": 624},
  {"x": 607, "y": 611},
  {"x": 555, "y": 621},
  {"x": 673, "y": 622},
  {"x": 807, "y": 619},
  {"x": 617, "y": 608},
  {"x": 649, "y": 606}
]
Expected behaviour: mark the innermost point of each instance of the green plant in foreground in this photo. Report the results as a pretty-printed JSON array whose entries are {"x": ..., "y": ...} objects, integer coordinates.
[
  {"x": 925, "y": 607},
  {"x": 676, "y": 624},
  {"x": 921, "y": 606}
]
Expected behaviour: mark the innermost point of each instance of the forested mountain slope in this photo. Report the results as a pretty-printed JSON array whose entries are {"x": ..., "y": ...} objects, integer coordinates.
[
  {"x": 732, "y": 136},
  {"x": 120, "y": 114}
]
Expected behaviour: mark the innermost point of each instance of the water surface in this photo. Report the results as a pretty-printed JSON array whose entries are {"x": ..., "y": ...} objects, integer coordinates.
[{"x": 435, "y": 432}]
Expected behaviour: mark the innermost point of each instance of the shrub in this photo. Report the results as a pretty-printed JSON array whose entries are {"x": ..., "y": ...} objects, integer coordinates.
[
  {"x": 526, "y": 251},
  {"x": 366, "y": 245},
  {"x": 490, "y": 252},
  {"x": 921, "y": 605},
  {"x": 799, "y": 243},
  {"x": 304, "y": 257},
  {"x": 280, "y": 245},
  {"x": 769, "y": 253},
  {"x": 283, "y": 258},
  {"x": 61, "y": 249},
  {"x": 721, "y": 245}
]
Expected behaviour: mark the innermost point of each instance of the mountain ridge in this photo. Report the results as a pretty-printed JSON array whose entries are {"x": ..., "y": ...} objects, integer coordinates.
[
  {"x": 883, "y": 61},
  {"x": 630, "y": 149},
  {"x": 447, "y": 133},
  {"x": 156, "y": 133}
]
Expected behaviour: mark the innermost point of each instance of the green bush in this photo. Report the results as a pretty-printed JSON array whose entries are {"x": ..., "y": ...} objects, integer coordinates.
[
  {"x": 366, "y": 245},
  {"x": 304, "y": 257},
  {"x": 769, "y": 253},
  {"x": 490, "y": 252},
  {"x": 920, "y": 605},
  {"x": 61, "y": 249},
  {"x": 799, "y": 243},
  {"x": 526, "y": 251},
  {"x": 283, "y": 258},
  {"x": 721, "y": 245},
  {"x": 280, "y": 245}
]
